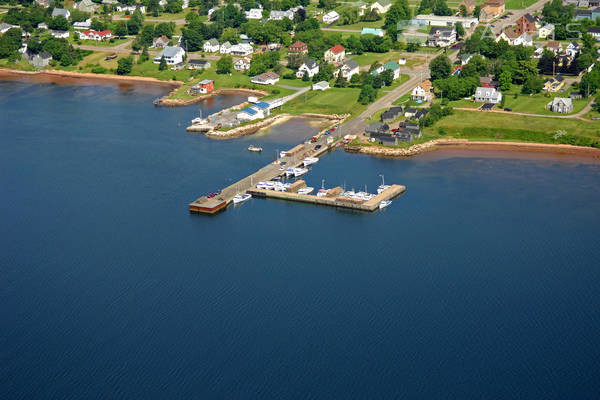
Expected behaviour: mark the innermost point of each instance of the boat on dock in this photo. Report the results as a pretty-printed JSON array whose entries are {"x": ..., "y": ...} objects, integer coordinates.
[
  {"x": 255, "y": 149},
  {"x": 290, "y": 172},
  {"x": 384, "y": 204},
  {"x": 300, "y": 171},
  {"x": 240, "y": 198},
  {"x": 306, "y": 190},
  {"x": 310, "y": 161},
  {"x": 383, "y": 187}
]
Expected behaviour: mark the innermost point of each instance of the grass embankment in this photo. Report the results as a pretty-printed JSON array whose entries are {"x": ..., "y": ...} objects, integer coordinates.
[
  {"x": 507, "y": 127},
  {"x": 518, "y": 4},
  {"x": 531, "y": 104}
]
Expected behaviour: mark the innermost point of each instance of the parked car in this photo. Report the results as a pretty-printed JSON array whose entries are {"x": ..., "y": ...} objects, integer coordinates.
[
  {"x": 314, "y": 139},
  {"x": 595, "y": 118},
  {"x": 507, "y": 109},
  {"x": 317, "y": 147}
]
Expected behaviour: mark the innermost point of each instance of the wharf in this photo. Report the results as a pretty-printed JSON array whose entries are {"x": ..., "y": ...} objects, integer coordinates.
[
  {"x": 334, "y": 201},
  {"x": 212, "y": 205}
]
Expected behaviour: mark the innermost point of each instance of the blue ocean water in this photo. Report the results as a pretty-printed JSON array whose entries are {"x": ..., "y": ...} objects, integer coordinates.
[{"x": 481, "y": 281}]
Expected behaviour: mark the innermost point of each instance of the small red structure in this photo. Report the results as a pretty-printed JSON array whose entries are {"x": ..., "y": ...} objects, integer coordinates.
[{"x": 203, "y": 87}]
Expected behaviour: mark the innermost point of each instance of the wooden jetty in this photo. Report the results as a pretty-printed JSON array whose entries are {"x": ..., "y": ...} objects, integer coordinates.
[
  {"x": 337, "y": 200},
  {"x": 212, "y": 205}
]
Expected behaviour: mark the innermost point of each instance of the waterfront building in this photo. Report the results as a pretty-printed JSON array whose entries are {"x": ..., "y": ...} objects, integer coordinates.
[
  {"x": 41, "y": 60},
  {"x": 203, "y": 87},
  {"x": 275, "y": 15},
  {"x": 267, "y": 78},
  {"x": 95, "y": 35},
  {"x": 173, "y": 55},
  {"x": 391, "y": 114},
  {"x": 242, "y": 65}
]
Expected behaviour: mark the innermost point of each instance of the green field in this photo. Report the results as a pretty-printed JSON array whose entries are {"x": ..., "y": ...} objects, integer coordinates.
[
  {"x": 370, "y": 58},
  {"x": 331, "y": 101},
  {"x": 518, "y": 4},
  {"x": 359, "y": 25},
  {"x": 497, "y": 126}
]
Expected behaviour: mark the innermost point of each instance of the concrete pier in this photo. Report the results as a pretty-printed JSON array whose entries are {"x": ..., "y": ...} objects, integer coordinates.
[{"x": 334, "y": 201}]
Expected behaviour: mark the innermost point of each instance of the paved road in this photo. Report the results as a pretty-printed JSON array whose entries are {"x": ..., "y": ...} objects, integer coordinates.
[{"x": 516, "y": 14}]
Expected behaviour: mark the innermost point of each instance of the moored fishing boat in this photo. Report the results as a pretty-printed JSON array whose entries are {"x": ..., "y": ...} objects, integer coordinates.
[
  {"x": 255, "y": 149},
  {"x": 384, "y": 204},
  {"x": 239, "y": 198},
  {"x": 306, "y": 190},
  {"x": 310, "y": 161},
  {"x": 300, "y": 171}
]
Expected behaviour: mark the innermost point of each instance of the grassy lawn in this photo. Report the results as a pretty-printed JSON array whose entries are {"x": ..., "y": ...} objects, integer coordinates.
[
  {"x": 331, "y": 101},
  {"x": 359, "y": 25},
  {"x": 495, "y": 126},
  {"x": 370, "y": 58},
  {"x": 168, "y": 17},
  {"x": 341, "y": 34},
  {"x": 299, "y": 83},
  {"x": 518, "y": 4},
  {"x": 101, "y": 43}
]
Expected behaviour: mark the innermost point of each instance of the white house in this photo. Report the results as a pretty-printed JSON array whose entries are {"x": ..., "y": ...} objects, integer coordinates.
[
  {"x": 43, "y": 25},
  {"x": 560, "y": 105},
  {"x": 254, "y": 13},
  {"x": 172, "y": 54},
  {"x": 59, "y": 34},
  {"x": 83, "y": 24},
  {"x": 242, "y": 65},
  {"x": 308, "y": 67},
  {"x": 441, "y": 36},
  {"x": 381, "y": 6},
  {"x": 331, "y": 17},
  {"x": 275, "y": 15},
  {"x": 442, "y": 20},
  {"x": 225, "y": 48},
  {"x": 335, "y": 54},
  {"x": 487, "y": 95},
  {"x": 95, "y": 35},
  {"x": 212, "y": 10},
  {"x": 250, "y": 114},
  {"x": 132, "y": 8},
  {"x": 545, "y": 31},
  {"x": 422, "y": 92},
  {"x": 572, "y": 49},
  {"x": 347, "y": 69},
  {"x": 267, "y": 78},
  {"x": 514, "y": 39},
  {"x": 595, "y": 32},
  {"x": 323, "y": 85},
  {"x": 241, "y": 49},
  {"x": 211, "y": 46},
  {"x": 61, "y": 11}
]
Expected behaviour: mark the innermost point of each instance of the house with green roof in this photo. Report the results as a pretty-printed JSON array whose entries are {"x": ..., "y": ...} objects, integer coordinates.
[
  {"x": 394, "y": 67},
  {"x": 381, "y": 6},
  {"x": 372, "y": 31}
]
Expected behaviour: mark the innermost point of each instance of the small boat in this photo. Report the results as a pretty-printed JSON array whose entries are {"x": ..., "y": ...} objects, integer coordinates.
[
  {"x": 239, "y": 198},
  {"x": 322, "y": 192},
  {"x": 384, "y": 204},
  {"x": 290, "y": 172},
  {"x": 199, "y": 120},
  {"x": 306, "y": 190},
  {"x": 310, "y": 161},
  {"x": 383, "y": 187},
  {"x": 282, "y": 154},
  {"x": 300, "y": 171},
  {"x": 255, "y": 148}
]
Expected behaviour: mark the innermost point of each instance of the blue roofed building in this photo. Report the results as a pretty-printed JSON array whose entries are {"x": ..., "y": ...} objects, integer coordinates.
[
  {"x": 372, "y": 31},
  {"x": 251, "y": 113}
]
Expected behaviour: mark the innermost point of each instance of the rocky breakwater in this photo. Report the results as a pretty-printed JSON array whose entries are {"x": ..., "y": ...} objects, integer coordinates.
[
  {"x": 415, "y": 149},
  {"x": 255, "y": 126}
]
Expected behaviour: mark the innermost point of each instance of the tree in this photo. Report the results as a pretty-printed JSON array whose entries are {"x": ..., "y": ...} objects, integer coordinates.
[
  {"x": 340, "y": 82},
  {"x": 173, "y": 6},
  {"x": 546, "y": 63},
  {"x": 388, "y": 77},
  {"x": 584, "y": 61},
  {"x": 163, "y": 64},
  {"x": 124, "y": 66},
  {"x": 230, "y": 35},
  {"x": 505, "y": 81},
  {"x": 327, "y": 4},
  {"x": 165, "y": 28},
  {"x": 367, "y": 95},
  {"x": 355, "y": 80},
  {"x": 121, "y": 29},
  {"x": 97, "y": 24},
  {"x": 460, "y": 29},
  {"x": 462, "y": 10},
  {"x": 525, "y": 70},
  {"x": 59, "y": 23},
  {"x": 440, "y": 67},
  {"x": 225, "y": 65},
  {"x": 396, "y": 18},
  {"x": 532, "y": 84},
  {"x": 10, "y": 42},
  {"x": 477, "y": 11}
]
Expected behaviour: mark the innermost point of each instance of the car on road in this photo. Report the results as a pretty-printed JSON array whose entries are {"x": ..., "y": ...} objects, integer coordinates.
[
  {"x": 595, "y": 118},
  {"x": 333, "y": 129}
]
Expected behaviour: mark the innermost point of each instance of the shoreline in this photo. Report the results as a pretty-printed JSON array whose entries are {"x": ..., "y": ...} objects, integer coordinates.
[
  {"x": 265, "y": 123},
  {"x": 167, "y": 102},
  {"x": 57, "y": 75},
  {"x": 462, "y": 146}
]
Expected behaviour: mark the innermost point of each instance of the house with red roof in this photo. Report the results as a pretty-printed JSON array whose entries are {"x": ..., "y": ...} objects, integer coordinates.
[
  {"x": 336, "y": 54},
  {"x": 95, "y": 35}
]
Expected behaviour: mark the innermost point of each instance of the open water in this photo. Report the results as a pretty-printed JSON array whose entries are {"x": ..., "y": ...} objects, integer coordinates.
[{"x": 482, "y": 281}]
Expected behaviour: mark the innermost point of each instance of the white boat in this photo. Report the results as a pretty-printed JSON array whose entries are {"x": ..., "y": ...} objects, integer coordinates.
[
  {"x": 239, "y": 198},
  {"x": 199, "y": 120},
  {"x": 254, "y": 148},
  {"x": 349, "y": 193},
  {"x": 384, "y": 204},
  {"x": 322, "y": 192},
  {"x": 310, "y": 161},
  {"x": 290, "y": 172},
  {"x": 383, "y": 187},
  {"x": 282, "y": 154},
  {"x": 306, "y": 190},
  {"x": 300, "y": 171}
]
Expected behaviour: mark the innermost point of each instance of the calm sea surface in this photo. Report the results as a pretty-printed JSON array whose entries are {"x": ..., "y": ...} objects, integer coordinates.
[{"x": 482, "y": 281}]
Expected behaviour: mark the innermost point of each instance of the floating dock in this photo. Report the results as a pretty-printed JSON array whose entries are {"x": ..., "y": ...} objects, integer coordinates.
[{"x": 336, "y": 200}]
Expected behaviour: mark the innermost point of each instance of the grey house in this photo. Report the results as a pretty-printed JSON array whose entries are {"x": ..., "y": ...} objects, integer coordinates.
[
  {"x": 377, "y": 128},
  {"x": 39, "y": 61},
  {"x": 561, "y": 105},
  {"x": 391, "y": 114}
]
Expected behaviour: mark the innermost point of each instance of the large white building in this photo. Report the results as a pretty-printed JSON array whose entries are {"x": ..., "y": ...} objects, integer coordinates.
[
  {"x": 442, "y": 20},
  {"x": 172, "y": 54},
  {"x": 254, "y": 13},
  {"x": 487, "y": 95},
  {"x": 331, "y": 17}
]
